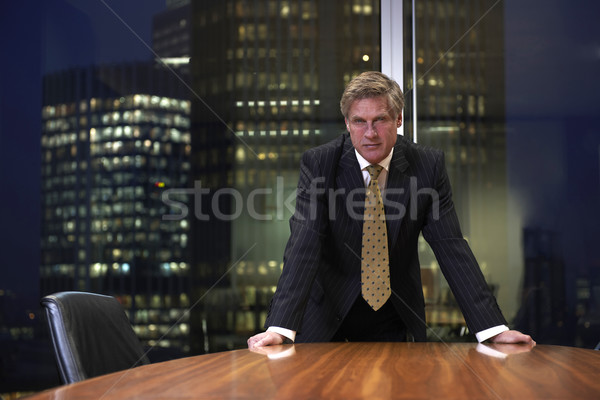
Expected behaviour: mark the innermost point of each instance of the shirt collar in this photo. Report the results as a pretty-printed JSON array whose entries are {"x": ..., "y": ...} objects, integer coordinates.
[{"x": 385, "y": 163}]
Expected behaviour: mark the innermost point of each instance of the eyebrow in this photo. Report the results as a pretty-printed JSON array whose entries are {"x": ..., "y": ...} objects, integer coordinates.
[{"x": 355, "y": 117}]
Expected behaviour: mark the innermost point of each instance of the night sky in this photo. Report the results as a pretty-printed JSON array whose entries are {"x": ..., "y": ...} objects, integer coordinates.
[
  {"x": 552, "y": 96},
  {"x": 37, "y": 38}
]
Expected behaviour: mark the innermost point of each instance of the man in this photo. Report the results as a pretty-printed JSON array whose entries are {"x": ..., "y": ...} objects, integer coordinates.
[{"x": 335, "y": 286}]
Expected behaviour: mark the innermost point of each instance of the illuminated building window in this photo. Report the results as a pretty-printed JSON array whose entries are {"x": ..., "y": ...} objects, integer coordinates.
[
  {"x": 156, "y": 301},
  {"x": 141, "y": 302}
]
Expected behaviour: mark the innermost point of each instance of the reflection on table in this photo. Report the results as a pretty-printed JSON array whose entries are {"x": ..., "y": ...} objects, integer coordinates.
[{"x": 358, "y": 370}]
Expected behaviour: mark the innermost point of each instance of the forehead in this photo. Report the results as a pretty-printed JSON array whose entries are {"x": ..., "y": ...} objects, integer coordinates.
[{"x": 369, "y": 106}]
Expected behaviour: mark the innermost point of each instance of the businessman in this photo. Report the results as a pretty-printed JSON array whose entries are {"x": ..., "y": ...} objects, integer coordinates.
[{"x": 351, "y": 270}]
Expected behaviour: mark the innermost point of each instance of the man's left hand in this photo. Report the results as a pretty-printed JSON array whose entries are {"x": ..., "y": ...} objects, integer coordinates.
[{"x": 512, "y": 337}]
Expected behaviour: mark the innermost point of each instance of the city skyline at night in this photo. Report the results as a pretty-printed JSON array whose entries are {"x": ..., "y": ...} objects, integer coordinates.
[{"x": 88, "y": 149}]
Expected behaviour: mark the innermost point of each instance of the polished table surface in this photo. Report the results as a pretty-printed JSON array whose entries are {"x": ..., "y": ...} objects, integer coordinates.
[{"x": 357, "y": 370}]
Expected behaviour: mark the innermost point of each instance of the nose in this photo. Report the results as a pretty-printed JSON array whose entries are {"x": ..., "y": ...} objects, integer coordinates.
[{"x": 370, "y": 132}]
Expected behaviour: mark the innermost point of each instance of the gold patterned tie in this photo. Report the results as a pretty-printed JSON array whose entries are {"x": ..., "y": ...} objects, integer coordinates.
[{"x": 375, "y": 270}]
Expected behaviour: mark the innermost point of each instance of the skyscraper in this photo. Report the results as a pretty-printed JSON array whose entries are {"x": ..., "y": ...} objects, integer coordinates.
[
  {"x": 114, "y": 138},
  {"x": 171, "y": 36}
]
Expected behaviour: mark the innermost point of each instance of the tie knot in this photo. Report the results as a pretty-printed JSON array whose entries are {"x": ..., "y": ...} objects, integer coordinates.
[{"x": 374, "y": 171}]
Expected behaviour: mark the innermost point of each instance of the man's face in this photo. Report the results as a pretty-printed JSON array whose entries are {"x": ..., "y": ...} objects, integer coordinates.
[{"x": 373, "y": 130}]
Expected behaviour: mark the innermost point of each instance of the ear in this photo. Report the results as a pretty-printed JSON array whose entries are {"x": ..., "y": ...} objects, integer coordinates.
[
  {"x": 347, "y": 124},
  {"x": 399, "y": 121}
]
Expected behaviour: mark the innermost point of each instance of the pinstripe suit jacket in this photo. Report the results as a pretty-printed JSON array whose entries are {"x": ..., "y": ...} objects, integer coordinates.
[{"x": 321, "y": 275}]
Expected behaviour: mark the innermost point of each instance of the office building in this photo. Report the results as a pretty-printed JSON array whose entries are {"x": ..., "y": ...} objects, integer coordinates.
[
  {"x": 171, "y": 37},
  {"x": 114, "y": 139},
  {"x": 543, "y": 294}
]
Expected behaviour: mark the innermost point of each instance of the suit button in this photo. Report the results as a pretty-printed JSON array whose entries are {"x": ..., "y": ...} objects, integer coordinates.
[{"x": 338, "y": 318}]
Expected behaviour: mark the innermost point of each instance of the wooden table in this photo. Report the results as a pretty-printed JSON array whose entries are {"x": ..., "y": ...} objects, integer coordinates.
[{"x": 355, "y": 371}]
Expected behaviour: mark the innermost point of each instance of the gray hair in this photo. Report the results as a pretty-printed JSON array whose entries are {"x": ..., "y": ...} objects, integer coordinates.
[{"x": 372, "y": 84}]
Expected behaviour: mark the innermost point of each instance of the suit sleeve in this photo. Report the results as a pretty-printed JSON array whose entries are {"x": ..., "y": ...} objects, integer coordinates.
[
  {"x": 303, "y": 250},
  {"x": 457, "y": 262}
]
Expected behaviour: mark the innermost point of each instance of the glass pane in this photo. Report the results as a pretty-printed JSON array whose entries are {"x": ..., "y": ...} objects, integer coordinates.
[
  {"x": 522, "y": 154},
  {"x": 171, "y": 142},
  {"x": 267, "y": 77},
  {"x": 460, "y": 109}
]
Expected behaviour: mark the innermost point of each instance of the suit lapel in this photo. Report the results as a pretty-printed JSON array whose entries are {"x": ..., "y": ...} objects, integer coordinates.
[
  {"x": 351, "y": 187},
  {"x": 397, "y": 193},
  {"x": 349, "y": 176}
]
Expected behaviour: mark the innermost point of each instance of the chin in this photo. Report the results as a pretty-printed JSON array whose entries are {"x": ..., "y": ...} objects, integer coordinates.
[{"x": 373, "y": 158}]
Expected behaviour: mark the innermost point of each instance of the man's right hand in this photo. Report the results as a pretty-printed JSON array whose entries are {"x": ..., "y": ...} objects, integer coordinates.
[{"x": 265, "y": 339}]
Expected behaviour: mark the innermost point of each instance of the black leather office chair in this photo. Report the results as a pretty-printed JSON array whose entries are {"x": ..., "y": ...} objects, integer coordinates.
[{"x": 91, "y": 335}]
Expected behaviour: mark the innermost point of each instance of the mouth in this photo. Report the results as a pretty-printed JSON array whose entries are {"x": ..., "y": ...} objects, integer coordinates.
[{"x": 371, "y": 145}]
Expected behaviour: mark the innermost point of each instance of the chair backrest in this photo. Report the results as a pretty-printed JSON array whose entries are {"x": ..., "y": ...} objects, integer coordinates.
[{"x": 91, "y": 335}]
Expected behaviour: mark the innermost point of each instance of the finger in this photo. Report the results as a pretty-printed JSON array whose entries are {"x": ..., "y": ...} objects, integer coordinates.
[
  {"x": 529, "y": 339},
  {"x": 265, "y": 341},
  {"x": 262, "y": 342},
  {"x": 512, "y": 337},
  {"x": 521, "y": 338},
  {"x": 269, "y": 339},
  {"x": 254, "y": 340}
]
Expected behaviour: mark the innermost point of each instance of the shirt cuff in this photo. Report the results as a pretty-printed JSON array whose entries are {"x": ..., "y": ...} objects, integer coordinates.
[
  {"x": 283, "y": 331},
  {"x": 490, "y": 332}
]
